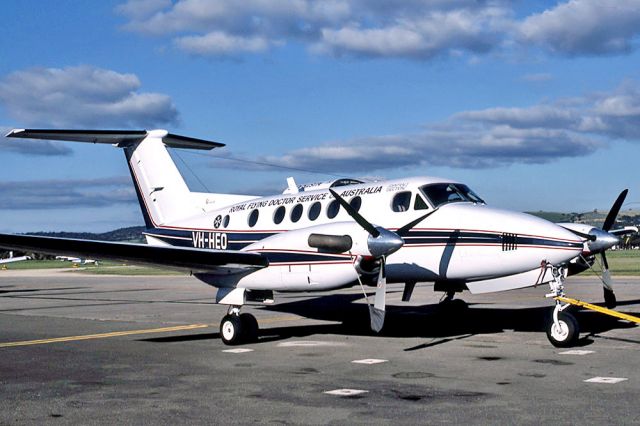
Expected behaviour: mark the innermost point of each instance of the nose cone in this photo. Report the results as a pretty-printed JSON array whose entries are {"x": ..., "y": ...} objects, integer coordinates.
[
  {"x": 604, "y": 240},
  {"x": 384, "y": 244}
]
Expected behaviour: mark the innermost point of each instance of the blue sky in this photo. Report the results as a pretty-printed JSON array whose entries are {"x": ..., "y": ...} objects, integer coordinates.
[{"x": 534, "y": 105}]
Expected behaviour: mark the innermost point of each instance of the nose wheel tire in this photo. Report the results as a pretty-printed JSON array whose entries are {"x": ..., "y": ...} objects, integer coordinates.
[
  {"x": 565, "y": 333},
  {"x": 237, "y": 329}
]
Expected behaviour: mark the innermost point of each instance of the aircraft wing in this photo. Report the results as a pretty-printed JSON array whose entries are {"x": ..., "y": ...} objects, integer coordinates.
[
  {"x": 624, "y": 231},
  {"x": 182, "y": 258}
]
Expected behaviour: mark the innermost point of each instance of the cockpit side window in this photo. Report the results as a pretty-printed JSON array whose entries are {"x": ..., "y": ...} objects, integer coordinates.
[
  {"x": 401, "y": 201},
  {"x": 443, "y": 193},
  {"x": 419, "y": 203}
]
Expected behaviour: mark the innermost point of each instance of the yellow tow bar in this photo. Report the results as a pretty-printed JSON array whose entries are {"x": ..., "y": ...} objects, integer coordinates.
[{"x": 598, "y": 309}]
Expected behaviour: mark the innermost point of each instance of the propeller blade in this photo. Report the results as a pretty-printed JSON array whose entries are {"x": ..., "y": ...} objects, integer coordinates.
[
  {"x": 355, "y": 215},
  {"x": 607, "y": 284},
  {"x": 604, "y": 262},
  {"x": 406, "y": 228},
  {"x": 615, "y": 209},
  {"x": 377, "y": 311}
]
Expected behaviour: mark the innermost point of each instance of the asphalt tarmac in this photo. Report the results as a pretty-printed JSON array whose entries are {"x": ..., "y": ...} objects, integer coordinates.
[{"x": 81, "y": 349}]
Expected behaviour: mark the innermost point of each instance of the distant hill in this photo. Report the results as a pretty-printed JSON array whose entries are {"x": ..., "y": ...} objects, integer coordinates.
[
  {"x": 130, "y": 234},
  {"x": 554, "y": 216},
  {"x": 594, "y": 218}
]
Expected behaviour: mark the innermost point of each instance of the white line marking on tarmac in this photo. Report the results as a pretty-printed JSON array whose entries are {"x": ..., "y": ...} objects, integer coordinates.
[
  {"x": 369, "y": 361},
  {"x": 576, "y": 352},
  {"x": 238, "y": 350},
  {"x": 346, "y": 392},
  {"x": 607, "y": 380},
  {"x": 308, "y": 343}
]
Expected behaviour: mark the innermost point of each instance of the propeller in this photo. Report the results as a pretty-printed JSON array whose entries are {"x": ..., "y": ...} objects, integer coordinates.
[
  {"x": 598, "y": 241},
  {"x": 607, "y": 282},
  {"x": 381, "y": 243}
]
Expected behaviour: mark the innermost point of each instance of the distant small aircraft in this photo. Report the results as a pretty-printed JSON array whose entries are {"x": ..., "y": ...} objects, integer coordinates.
[
  {"x": 78, "y": 260},
  {"x": 332, "y": 235},
  {"x": 13, "y": 258}
]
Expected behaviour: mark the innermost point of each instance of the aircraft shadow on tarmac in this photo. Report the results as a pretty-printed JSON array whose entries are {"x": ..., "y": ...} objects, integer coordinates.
[{"x": 428, "y": 321}]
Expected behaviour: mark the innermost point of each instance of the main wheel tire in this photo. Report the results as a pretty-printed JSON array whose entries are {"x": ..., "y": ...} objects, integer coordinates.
[
  {"x": 250, "y": 327},
  {"x": 566, "y": 333},
  {"x": 609, "y": 298},
  {"x": 231, "y": 330}
]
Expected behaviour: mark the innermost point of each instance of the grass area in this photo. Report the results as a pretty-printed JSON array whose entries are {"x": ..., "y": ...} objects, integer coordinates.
[
  {"x": 102, "y": 268},
  {"x": 37, "y": 264},
  {"x": 621, "y": 262}
]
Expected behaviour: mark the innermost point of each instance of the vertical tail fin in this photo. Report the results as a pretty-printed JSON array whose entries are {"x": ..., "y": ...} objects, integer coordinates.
[{"x": 162, "y": 192}]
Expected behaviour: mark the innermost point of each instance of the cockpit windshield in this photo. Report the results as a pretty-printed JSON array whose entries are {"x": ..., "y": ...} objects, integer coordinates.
[{"x": 444, "y": 193}]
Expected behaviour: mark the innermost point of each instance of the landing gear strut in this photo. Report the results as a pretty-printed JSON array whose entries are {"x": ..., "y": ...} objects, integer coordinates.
[
  {"x": 449, "y": 303},
  {"x": 237, "y": 328},
  {"x": 562, "y": 328}
]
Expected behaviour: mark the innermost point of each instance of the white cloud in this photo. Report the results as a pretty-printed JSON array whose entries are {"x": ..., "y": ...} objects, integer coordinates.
[
  {"x": 219, "y": 43},
  {"x": 492, "y": 137},
  {"x": 459, "y": 146},
  {"x": 548, "y": 116},
  {"x": 82, "y": 96},
  {"x": 433, "y": 33},
  {"x": 416, "y": 29},
  {"x": 140, "y": 9},
  {"x": 585, "y": 27}
]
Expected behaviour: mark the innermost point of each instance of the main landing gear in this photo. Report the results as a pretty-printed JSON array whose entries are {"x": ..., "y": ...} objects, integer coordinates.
[
  {"x": 450, "y": 304},
  {"x": 562, "y": 328},
  {"x": 237, "y": 328}
]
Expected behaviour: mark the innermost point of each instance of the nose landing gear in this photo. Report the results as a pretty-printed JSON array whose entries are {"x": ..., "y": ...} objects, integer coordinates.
[{"x": 562, "y": 329}]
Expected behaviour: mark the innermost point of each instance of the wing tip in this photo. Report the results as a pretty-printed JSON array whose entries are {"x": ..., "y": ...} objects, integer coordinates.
[{"x": 14, "y": 133}]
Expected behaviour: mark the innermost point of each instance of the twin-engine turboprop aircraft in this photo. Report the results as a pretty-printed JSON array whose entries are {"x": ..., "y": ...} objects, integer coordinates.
[{"x": 330, "y": 235}]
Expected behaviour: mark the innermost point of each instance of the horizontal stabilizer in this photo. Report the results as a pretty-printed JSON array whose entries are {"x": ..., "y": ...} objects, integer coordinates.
[
  {"x": 181, "y": 258},
  {"x": 114, "y": 137}
]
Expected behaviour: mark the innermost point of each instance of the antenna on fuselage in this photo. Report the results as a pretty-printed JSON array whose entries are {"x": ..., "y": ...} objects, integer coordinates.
[{"x": 292, "y": 186}]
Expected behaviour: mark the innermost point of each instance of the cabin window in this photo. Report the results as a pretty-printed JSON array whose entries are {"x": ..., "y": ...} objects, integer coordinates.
[
  {"x": 401, "y": 201},
  {"x": 278, "y": 215},
  {"x": 296, "y": 213},
  {"x": 253, "y": 218},
  {"x": 420, "y": 204},
  {"x": 225, "y": 221},
  {"x": 332, "y": 209},
  {"x": 314, "y": 210},
  {"x": 356, "y": 203}
]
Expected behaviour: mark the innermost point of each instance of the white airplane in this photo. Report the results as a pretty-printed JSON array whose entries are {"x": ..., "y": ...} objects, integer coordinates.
[
  {"x": 78, "y": 260},
  {"x": 330, "y": 235},
  {"x": 13, "y": 258}
]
